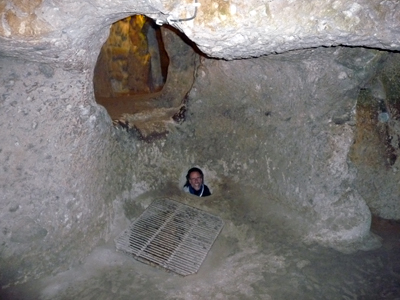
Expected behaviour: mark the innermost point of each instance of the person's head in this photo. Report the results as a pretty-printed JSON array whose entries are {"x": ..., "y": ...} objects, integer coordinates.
[{"x": 194, "y": 178}]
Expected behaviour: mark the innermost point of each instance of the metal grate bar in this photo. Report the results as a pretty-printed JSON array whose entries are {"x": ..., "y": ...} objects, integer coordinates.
[{"x": 172, "y": 235}]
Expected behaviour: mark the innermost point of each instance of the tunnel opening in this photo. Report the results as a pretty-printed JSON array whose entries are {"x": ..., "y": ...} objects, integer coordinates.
[
  {"x": 132, "y": 66},
  {"x": 143, "y": 75}
]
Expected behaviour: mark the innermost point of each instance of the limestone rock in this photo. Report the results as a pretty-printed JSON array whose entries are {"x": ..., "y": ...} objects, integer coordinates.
[{"x": 281, "y": 126}]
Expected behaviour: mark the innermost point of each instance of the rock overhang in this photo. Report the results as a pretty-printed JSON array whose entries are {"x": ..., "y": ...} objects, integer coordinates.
[{"x": 221, "y": 29}]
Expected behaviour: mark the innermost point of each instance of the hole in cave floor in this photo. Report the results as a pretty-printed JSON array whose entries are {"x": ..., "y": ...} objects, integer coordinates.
[{"x": 238, "y": 266}]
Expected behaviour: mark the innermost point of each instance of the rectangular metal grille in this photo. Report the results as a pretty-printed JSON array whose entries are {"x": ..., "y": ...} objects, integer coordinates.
[{"x": 172, "y": 235}]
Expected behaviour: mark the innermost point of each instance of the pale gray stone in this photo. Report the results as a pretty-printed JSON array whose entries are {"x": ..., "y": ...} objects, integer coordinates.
[{"x": 273, "y": 132}]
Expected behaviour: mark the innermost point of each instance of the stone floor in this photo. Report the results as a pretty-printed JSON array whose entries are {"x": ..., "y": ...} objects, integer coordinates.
[{"x": 249, "y": 260}]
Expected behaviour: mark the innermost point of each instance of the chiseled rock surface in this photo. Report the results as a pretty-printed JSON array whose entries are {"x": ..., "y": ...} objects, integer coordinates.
[
  {"x": 56, "y": 169},
  {"x": 226, "y": 29},
  {"x": 252, "y": 28},
  {"x": 273, "y": 129},
  {"x": 265, "y": 123}
]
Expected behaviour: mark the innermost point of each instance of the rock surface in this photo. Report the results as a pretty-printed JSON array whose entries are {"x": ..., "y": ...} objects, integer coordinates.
[
  {"x": 281, "y": 125},
  {"x": 249, "y": 260},
  {"x": 225, "y": 29}
]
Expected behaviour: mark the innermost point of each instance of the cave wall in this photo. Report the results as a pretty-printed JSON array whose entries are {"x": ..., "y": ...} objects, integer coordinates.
[
  {"x": 375, "y": 152},
  {"x": 280, "y": 125},
  {"x": 58, "y": 176}
]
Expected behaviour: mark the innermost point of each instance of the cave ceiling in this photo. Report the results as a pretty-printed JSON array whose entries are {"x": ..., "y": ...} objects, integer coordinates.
[{"x": 65, "y": 31}]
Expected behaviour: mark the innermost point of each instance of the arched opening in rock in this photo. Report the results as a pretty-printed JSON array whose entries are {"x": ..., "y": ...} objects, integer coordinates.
[
  {"x": 143, "y": 75},
  {"x": 132, "y": 66}
]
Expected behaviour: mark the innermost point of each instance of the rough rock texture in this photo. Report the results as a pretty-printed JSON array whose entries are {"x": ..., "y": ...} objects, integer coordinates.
[
  {"x": 277, "y": 138},
  {"x": 377, "y": 141},
  {"x": 253, "y": 28},
  {"x": 281, "y": 126},
  {"x": 226, "y": 29},
  {"x": 53, "y": 140},
  {"x": 292, "y": 148}
]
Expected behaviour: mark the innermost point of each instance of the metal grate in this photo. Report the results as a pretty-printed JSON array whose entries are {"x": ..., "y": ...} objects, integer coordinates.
[{"x": 172, "y": 235}]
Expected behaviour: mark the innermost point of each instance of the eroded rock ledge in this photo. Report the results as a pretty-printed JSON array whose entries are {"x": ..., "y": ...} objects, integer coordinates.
[{"x": 224, "y": 29}]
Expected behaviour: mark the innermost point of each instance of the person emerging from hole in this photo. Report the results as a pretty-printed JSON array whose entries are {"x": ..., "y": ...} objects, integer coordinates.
[{"x": 194, "y": 183}]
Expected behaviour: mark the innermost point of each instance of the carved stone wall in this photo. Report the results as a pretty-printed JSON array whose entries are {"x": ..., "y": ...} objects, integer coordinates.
[
  {"x": 57, "y": 176},
  {"x": 278, "y": 126}
]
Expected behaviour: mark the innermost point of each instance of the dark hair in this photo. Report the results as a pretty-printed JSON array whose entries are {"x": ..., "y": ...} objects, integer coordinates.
[{"x": 190, "y": 172}]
